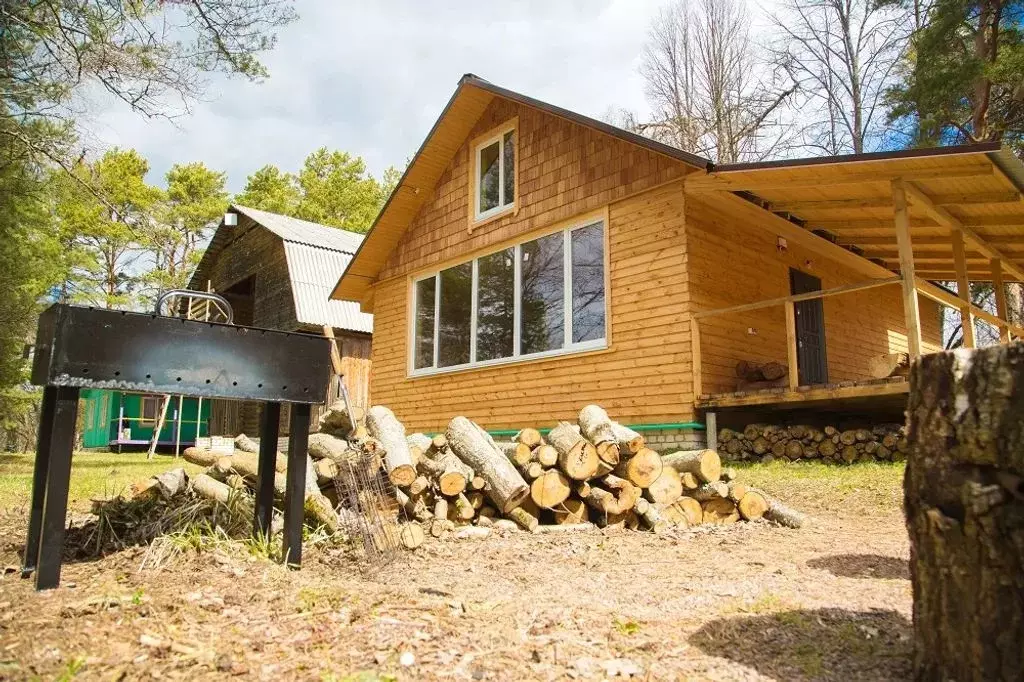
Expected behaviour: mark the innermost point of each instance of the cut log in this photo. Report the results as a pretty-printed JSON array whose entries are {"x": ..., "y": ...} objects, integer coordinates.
[
  {"x": 651, "y": 517},
  {"x": 752, "y": 505},
  {"x": 523, "y": 518},
  {"x": 201, "y": 456},
  {"x": 419, "y": 484},
  {"x": 545, "y": 455},
  {"x": 531, "y": 470},
  {"x": 430, "y": 468},
  {"x": 641, "y": 469},
  {"x": 564, "y": 528},
  {"x": 438, "y": 442},
  {"x": 326, "y": 471},
  {"x": 706, "y": 465},
  {"x": 336, "y": 419},
  {"x": 736, "y": 491},
  {"x": 382, "y": 424},
  {"x": 720, "y": 511},
  {"x": 414, "y": 507},
  {"x": 478, "y": 482},
  {"x": 210, "y": 488},
  {"x": 505, "y": 487},
  {"x": 689, "y": 481},
  {"x": 325, "y": 446},
  {"x": 531, "y": 438},
  {"x": 246, "y": 444},
  {"x": 626, "y": 494},
  {"x": 476, "y": 498},
  {"x": 456, "y": 476},
  {"x": 601, "y": 501},
  {"x": 420, "y": 441},
  {"x": 781, "y": 514},
  {"x": 667, "y": 489},
  {"x": 411, "y": 535},
  {"x": 691, "y": 509},
  {"x": 582, "y": 489},
  {"x": 572, "y": 511},
  {"x": 165, "y": 485},
  {"x": 630, "y": 442},
  {"x": 440, "y": 509},
  {"x": 505, "y": 525},
  {"x": 550, "y": 489},
  {"x": 710, "y": 491},
  {"x": 596, "y": 426},
  {"x": 463, "y": 508},
  {"x": 440, "y": 527},
  {"x": 485, "y": 521},
  {"x": 577, "y": 458},
  {"x": 517, "y": 453}
]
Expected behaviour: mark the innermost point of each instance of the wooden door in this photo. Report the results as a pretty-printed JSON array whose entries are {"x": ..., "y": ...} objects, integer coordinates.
[{"x": 810, "y": 330}]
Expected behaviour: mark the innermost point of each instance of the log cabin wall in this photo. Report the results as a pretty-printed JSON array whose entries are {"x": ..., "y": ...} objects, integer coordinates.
[
  {"x": 733, "y": 263},
  {"x": 565, "y": 171}
]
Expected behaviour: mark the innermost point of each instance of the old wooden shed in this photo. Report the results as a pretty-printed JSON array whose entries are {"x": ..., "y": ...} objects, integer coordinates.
[{"x": 277, "y": 272}]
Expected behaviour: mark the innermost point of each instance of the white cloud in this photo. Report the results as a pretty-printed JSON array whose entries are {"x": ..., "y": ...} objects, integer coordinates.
[{"x": 371, "y": 78}]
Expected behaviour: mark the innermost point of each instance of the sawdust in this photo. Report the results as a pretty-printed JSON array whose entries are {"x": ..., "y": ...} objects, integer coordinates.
[{"x": 747, "y": 602}]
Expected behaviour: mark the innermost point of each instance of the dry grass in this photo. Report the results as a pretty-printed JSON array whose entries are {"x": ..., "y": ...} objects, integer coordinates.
[{"x": 747, "y": 602}]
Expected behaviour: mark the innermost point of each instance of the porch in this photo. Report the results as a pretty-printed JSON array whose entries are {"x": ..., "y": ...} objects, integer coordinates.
[{"x": 912, "y": 222}]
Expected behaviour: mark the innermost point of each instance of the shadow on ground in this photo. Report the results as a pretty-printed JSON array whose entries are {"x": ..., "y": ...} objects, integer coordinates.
[
  {"x": 863, "y": 566},
  {"x": 822, "y": 644}
]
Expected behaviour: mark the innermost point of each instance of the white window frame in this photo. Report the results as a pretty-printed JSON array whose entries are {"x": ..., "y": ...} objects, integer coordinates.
[
  {"x": 568, "y": 348},
  {"x": 499, "y": 137}
]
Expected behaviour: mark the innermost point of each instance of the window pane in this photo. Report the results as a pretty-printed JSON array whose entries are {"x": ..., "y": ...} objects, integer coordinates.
[
  {"x": 509, "y": 161},
  {"x": 488, "y": 177},
  {"x": 424, "y": 340},
  {"x": 587, "y": 283},
  {"x": 542, "y": 271},
  {"x": 453, "y": 327},
  {"x": 494, "y": 305}
]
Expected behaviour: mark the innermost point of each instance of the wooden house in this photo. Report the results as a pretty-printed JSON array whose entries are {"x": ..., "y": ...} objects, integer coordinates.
[
  {"x": 533, "y": 260},
  {"x": 277, "y": 272}
]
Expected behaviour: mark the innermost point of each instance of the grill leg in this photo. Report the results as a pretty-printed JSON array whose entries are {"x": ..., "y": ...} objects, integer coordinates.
[
  {"x": 35, "y": 519},
  {"x": 269, "y": 424},
  {"x": 295, "y": 488},
  {"x": 58, "y": 477}
]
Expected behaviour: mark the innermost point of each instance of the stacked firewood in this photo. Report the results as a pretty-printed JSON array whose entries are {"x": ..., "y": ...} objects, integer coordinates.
[
  {"x": 768, "y": 442},
  {"x": 593, "y": 472}
]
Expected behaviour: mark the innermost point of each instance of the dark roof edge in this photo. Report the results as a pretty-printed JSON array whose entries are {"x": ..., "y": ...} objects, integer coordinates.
[
  {"x": 983, "y": 147},
  {"x": 614, "y": 131},
  {"x": 1010, "y": 166}
]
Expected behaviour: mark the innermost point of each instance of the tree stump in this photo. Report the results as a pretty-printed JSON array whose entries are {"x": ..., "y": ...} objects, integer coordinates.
[{"x": 964, "y": 502}]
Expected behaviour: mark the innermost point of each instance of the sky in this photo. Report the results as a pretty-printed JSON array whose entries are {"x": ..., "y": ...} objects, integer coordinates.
[{"x": 371, "y": 78}]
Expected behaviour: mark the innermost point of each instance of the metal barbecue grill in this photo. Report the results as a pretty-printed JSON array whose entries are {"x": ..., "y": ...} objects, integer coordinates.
[{"x": 79, "y": 347}]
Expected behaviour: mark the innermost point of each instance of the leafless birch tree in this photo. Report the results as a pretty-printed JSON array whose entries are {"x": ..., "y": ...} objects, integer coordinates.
[
  {"x": 844, "y": 55},
  {"x": 709, "y": 92}
]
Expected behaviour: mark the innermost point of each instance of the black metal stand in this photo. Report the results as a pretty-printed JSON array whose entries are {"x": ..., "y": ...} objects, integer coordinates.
[
  {"x": 50, "y": 482},
  {"x": 264, "y": 514},
  {"x": 295, "y": 486},
  {"x": 79, "y": 347}
]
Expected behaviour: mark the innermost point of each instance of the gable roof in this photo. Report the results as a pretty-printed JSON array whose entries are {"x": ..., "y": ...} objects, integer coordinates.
[
  {"x": 316, "y": 256},
  {"x": 449, "y": 133}
]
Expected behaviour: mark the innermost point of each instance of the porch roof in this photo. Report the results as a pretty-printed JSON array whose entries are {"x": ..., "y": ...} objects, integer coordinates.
[{"x": 976, "y": 189}]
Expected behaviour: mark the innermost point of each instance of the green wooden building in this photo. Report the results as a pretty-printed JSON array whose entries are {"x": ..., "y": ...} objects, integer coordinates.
[{"x": 118, "y": 420}]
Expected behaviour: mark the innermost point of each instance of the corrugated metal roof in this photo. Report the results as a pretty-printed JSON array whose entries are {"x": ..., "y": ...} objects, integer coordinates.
[
  {"x": 303, "y": 231},
  {"x": 314, "y": 271}
]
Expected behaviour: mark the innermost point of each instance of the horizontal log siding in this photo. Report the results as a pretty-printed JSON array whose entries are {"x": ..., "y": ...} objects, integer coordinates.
[
  {"x": 643, "y": 377},
  {"x": 733, "y": 263},
  {"x": 564, "y": 170}
]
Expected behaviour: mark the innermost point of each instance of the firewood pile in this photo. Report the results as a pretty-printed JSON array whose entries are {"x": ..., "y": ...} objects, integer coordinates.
[
  {"x": 464, "y": 483},
  {"x": 768, "y": 442}
]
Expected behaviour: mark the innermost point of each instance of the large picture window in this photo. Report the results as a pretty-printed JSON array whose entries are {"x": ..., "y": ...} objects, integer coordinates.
[{"x": 542, "y": 297}]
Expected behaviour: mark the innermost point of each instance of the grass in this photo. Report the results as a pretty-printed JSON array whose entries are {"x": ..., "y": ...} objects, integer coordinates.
[
  {"x": 94, "y": 475},
  {"x": 871, "y": 487}
]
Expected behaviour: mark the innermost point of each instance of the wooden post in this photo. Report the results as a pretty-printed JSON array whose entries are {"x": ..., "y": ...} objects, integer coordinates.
[
  {"x": 159, "y": 427},
  {"x": 911, "y": 313},
  {"x": 963, "y": 287},
  {"x": 711, "y": 430},
  {"x": 698, "y": 387},
  {"x": 1002, "y": 311},
  {"x": 791, "y": 350},
  {"x": 177, "y": 426}
]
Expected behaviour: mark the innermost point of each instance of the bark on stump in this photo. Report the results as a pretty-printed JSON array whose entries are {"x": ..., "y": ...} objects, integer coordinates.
[{"x": 964, "y": 502}]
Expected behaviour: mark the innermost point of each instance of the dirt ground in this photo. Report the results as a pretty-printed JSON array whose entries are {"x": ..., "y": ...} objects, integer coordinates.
[{"x": 746, "y": 602}]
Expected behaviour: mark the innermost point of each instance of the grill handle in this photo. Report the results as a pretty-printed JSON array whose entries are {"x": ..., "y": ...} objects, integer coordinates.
[{"x": 202, "y": 295}]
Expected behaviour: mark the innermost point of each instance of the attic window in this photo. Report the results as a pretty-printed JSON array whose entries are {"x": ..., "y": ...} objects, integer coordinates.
[{"x": 494, "y": 177}]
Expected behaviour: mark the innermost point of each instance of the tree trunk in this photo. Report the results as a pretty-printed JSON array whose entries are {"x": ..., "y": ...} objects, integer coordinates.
[
  {"x": 965, "y": 513},
  {"x": 210, "y": 488},
  {"x": 506, "y": 488},
  {"x": 382, "y": 424}
]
